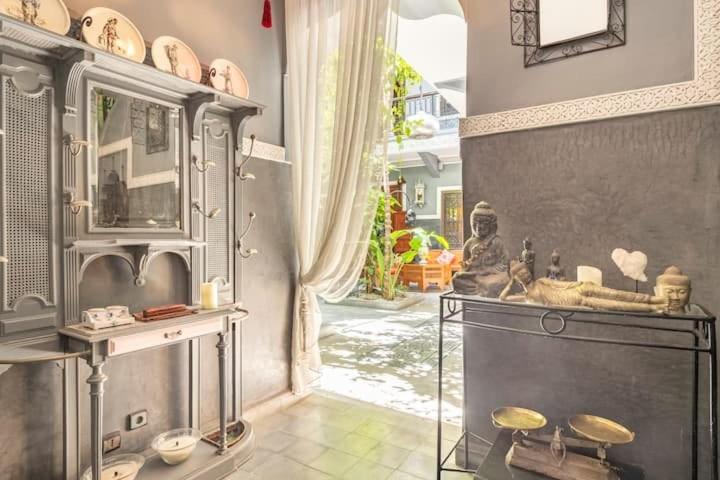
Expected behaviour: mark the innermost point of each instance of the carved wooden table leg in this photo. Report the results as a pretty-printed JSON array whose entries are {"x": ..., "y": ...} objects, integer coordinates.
[
  {"x": 222, "y": 347},
  {"x": 96, "y": 381}
]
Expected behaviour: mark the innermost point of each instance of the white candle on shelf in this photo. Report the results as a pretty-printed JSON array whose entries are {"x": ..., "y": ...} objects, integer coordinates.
[
  {"x": 176, "y": 450},
  {"x": 208, "y": 296},
  {"x": 589, "y": 274}
]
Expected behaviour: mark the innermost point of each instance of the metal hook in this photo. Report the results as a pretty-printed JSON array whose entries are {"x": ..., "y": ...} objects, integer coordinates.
[
  {"x": 238, "y": 170},
  {"x": 85, "y": 22},
  {"x": 249, "y": 252},
  {"x": 76, "y": 145},
  {"x": 203, "y": 166},
  {"x": 211, "y": 74}
]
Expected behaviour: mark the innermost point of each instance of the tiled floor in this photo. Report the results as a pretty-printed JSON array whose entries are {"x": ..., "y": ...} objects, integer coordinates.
[
  {"x": 390, "y": 358},
  {"x": 330, "y": 437}
]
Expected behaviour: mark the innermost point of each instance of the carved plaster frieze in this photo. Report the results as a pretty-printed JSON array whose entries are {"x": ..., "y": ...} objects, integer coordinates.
[{"x": 703, "y": 90}]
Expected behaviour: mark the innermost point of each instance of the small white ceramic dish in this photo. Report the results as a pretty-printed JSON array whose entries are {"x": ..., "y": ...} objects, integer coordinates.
[
  {"x": 173, "y": 55},
  {"x": 48, "y": 14},
  {"x": 111, "y": 31},
  {"x": 118, "y": 467},
  {"x": 226, "y": 76},
  {"x": 176, "y": 446}
]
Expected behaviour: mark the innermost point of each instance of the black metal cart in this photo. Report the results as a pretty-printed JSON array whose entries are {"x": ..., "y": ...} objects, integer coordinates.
[{"x": 557, "y": 323}]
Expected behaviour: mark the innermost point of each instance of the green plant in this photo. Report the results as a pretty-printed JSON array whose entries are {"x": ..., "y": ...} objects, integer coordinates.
[{"x": 423, "y": 239}]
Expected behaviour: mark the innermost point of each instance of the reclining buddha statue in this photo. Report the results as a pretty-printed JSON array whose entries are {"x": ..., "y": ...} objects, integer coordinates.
[{"x": 545, "y": 291}]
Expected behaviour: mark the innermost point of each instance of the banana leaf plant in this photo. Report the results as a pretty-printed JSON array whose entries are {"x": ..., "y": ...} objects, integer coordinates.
[{"x": 422, "y": 242}]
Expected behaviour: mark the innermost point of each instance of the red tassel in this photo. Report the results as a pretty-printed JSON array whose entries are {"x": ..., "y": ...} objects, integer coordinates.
[{"x": 267, "y": 15}]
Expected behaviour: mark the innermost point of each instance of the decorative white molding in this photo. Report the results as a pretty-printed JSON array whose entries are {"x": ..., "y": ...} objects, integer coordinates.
[
  {"x": 265, "y": 151},
  {"x": 703, "y": 90}
]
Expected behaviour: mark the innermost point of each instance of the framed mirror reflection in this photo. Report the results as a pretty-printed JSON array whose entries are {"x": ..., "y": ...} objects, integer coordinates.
[{"x": 134, "y": 170}]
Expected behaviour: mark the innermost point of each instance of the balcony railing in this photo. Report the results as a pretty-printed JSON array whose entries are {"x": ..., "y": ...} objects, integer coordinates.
[{"x": 434, "y": 104}]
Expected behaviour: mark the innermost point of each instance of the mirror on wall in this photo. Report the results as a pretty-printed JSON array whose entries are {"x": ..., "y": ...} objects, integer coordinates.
[
  {"x": 566, "y": 20},
  {"x": 134, "y": 172}
]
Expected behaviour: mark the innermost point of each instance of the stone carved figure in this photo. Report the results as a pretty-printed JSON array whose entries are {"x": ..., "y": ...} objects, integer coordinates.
[
  {"x": 528, "y": 256},
  {"x": 109, "y": 36},
  {"x": 675, "y": 287},
  {"x": 554, "y": 270},
  {"x": 485, "y": 259},
  {"x": 172, "y": 54},
  {"x": 577, "y": 294}
]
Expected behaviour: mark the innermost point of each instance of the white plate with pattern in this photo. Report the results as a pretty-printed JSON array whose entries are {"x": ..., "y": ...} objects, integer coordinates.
[
  {"x": 172, "y": 55},
  {"x": 111, "y": 31},
  {"x": 226, "y": 76},
  {"x": 48, "y": 14}
]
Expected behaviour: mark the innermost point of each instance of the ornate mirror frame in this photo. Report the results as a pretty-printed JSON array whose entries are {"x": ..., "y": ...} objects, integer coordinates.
[
  {"x": 702, "y": 90},
  {"x": 525, "y": 32}
]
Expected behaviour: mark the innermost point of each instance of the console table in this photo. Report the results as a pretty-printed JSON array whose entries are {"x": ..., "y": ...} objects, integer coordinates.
[
  {"x": 565, "y": 330},
  {"x": 425, "y": 274}
]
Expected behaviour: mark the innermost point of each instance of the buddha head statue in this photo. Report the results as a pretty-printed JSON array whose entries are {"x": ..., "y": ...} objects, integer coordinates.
[
  {"x": 555, "y": 258},
  {"x": 675, "y": 286},
  {"x": 483, "y": 220},
  {"x": 520, "y": 272}
]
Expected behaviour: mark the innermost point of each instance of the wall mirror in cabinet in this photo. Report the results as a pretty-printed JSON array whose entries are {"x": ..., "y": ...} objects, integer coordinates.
[{"x": 134, "y": 172}]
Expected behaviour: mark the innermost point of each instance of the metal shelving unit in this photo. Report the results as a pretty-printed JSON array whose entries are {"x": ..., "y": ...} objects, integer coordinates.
[{"x": 553, "y": 323}]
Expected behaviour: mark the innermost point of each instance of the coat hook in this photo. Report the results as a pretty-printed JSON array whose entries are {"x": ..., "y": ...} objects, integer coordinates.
[
  {"x": 211, "y": 214},
  {"x": 76, "y": 145},
  {"x": 246, "y": 252},
  {"x": 238, "y": 170},
  {"x": 203, "y": 166},
  {"x": 75, "y": 205}
]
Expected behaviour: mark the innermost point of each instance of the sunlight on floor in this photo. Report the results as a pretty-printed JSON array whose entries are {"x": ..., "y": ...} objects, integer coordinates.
[{"x": 390, "y": 358}]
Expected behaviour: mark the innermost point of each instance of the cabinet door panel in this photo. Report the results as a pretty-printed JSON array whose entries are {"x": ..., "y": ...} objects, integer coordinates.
[{"x": 28, "y": 293}]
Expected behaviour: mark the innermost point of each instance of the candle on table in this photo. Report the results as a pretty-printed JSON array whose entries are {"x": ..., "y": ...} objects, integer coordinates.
[
  {"x": 177, "y": 449},
  {"x": 208, "y": 296}
]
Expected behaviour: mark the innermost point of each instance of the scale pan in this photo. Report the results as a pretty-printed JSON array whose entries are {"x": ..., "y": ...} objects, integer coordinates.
[
  {"x": 600, "y": 429},
  {"x": 516, "y": 418}
]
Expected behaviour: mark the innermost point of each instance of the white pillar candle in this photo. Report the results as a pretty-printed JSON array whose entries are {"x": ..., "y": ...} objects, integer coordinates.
[
  {"x": 208, "y": 296},
  {"x": 589, "y": 274}
]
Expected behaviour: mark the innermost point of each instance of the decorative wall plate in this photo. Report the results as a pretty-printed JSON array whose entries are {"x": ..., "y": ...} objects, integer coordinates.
[
  {"x": 173, "y": 55},
  {"x": 49, "y": 14},
  {"x": 226, "y": 76},
  {"x": 111, "y": 31}
]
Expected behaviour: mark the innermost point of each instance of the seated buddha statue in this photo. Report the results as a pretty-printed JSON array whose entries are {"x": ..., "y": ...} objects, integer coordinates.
[
  {"x": 559, "y": 293},
  {"x": 485, "y": 259}
]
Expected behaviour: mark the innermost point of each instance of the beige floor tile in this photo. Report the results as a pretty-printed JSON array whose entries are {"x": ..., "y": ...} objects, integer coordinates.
[
  {"x": 241, "y": 475},
  {"x": 344, "y": 421},
  {"x": 405, "y": 439},
  {"x": 457, "y": 476},
  {"x": 301, "y": 426},
  {"x": 420, "y": 465},
  {"x": 276, "y": 441},
  {"x": 398, "y": 475},
  {"x": 334, "y": 462},
  {"x": 260, "y": 456},
  {"x": 311, "y": 411},
  {"x": 304, "y": 451},
  {"x": 430, "y": 447},
  {"x": 327, "y": 435},
  {"x": 271, "y": 423},
  {"x": 374, "y": 429},
  {"x": 283, "y": 469},
  {"x": 388, "y": 455},
  {"x": 356, "y": 444},
  {"x": 366, "y": 470}
]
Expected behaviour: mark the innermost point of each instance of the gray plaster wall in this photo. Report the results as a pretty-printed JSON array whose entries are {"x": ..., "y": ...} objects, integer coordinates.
[
  {"x": 659, "y": 50},
  {"x": 650, "y": 183},
  {"x": 31, "y": 396}
]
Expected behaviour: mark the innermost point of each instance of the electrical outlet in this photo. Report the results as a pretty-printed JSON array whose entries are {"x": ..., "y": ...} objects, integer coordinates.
[
  {"x": 137, "y": 419},
  {"x": 111, "y": 442}
]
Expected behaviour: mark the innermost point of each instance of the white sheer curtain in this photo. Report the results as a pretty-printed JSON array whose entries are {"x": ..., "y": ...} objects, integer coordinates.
[{"x": 338, "y": 68}]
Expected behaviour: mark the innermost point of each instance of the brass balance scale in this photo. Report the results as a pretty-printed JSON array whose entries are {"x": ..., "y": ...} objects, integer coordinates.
[{"x": 548, "y": 455}]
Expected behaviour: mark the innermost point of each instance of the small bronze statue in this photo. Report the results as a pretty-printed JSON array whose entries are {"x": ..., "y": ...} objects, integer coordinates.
[
  {"x": 528, "y": 256},
  {"x": 554, "y": 270},
  {"x": 485, "y": 259},
  {"x": 544, "y": 291},
  {"x": 675, "y": 287}
]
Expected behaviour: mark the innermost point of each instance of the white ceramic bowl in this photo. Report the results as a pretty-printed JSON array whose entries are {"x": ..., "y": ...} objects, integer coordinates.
[
  {"x": 176, "y": 446},
  {"x": 118, "y": 467}
]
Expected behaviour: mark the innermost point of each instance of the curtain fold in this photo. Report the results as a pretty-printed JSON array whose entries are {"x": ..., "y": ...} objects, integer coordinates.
[{"x": 340, "y": 55}]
